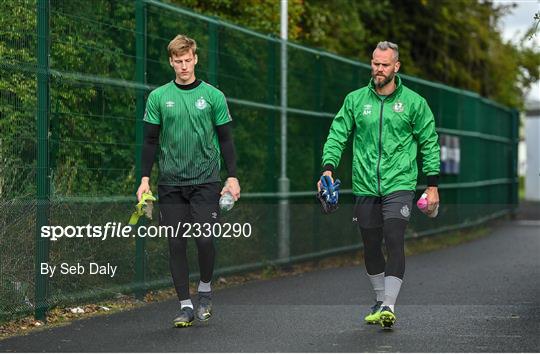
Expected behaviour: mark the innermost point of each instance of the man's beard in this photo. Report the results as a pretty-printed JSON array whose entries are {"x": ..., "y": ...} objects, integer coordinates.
[{"x": 386, "y": 81}]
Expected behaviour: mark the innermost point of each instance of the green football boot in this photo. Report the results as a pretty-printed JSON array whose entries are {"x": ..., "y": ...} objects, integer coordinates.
[
  {"x": 204, "y": 309},
  {"x": 185, "y": 317},
  {"x": 373, "y": 316},
  {"x": 387, "y": 318}
]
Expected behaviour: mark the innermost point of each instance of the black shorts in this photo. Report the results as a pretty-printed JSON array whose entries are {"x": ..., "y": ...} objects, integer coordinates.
[
  {"x": 370, "y": 212},
  {"x": 189, "y": 204}
]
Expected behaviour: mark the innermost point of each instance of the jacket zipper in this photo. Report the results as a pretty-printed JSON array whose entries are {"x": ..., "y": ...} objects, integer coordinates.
[{"x": 380, "y": 148}]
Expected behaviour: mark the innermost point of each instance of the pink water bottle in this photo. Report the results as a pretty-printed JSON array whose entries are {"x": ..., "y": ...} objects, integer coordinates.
[{"x": 422, "y": 204}]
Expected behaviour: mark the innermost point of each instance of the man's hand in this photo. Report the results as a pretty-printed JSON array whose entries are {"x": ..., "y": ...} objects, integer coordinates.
[
  {"x": 432, "y": 199},
  {"x": 232, "y": 186},
  {"x": 144, "y": 187},
  {"x": 325, "y": 173}
]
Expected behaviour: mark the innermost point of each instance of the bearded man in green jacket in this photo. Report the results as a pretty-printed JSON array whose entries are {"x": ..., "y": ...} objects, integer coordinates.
[{"x": 389, "y": 123}]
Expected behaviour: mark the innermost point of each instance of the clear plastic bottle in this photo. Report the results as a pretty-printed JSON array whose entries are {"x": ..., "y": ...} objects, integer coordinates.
[{"x": 226, "y": 202}]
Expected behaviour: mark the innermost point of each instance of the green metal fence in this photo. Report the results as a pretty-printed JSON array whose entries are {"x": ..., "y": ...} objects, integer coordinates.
[{"x": 73, "y": 83}]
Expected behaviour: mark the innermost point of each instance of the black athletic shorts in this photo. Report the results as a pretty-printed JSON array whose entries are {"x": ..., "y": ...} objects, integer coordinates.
[
  {"x": 370, "y": 212},
  {"x": 189, "y": 204}
]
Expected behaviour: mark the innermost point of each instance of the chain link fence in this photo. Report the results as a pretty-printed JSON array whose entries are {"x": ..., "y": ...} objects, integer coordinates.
[{"x": 74, "y": 76}]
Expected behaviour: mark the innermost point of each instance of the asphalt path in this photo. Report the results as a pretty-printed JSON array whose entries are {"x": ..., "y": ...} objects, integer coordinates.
[{"x": 481, "y": 296}]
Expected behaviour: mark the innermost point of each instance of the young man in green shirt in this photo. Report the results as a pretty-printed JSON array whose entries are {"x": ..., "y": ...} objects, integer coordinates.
[
  {"x": 190, "y": 122},
  {"x": 389, "y": 122}
]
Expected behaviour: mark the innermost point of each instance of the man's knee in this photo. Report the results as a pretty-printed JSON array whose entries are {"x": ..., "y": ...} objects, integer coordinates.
[
  {"x": 394, "y": 229},
  {"x": 177, "y": 245},
  {"x": 394, "y": 239},
  {"x": 205, "y": 244}
]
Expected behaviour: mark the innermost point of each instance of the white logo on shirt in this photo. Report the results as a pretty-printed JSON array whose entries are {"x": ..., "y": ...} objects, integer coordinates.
[
  {"x": 201, "y": 103},
  {"x": 367, "y": 110},
  {"x": 398, "y": 107},
  {"x": 169, "y": 104}
]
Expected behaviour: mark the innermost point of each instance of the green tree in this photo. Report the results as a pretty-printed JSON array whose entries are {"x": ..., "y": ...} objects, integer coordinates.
[
  {"x": 263, "y": 16},
  {"x": 455, "y": 42}
]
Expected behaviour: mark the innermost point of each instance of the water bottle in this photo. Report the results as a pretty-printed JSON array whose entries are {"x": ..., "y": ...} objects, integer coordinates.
[
  {"x": 226, "y": 202},
  {"x": 422, "y": 204}
]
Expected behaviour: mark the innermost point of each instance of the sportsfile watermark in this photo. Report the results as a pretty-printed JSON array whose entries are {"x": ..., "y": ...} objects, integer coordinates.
[{"x": 118, "y": 230}]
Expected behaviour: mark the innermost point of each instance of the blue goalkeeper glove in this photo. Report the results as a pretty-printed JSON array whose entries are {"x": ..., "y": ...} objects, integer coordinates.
[{"x": 329, "y": 194}]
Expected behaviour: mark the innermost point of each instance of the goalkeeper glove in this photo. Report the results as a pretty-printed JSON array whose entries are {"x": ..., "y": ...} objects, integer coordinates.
[{"x": 329, "y": 194}]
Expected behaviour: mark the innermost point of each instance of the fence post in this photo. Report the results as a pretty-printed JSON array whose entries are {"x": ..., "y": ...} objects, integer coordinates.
[
  {"x": 270, "y": 184},
  {"x": 43, "y": 179},
  {"x": 271, "y": 122},
  {"x": 317, "y": 148},
  {"x": 284, "y": 183},
  {"x": 514, "y": 199},
  {"x": 140, "y": 77},
  {"x": 213, "y": 47}
]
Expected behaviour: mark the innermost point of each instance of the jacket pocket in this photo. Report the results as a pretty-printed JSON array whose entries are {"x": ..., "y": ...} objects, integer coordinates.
[{"x": 405, "y": 161}]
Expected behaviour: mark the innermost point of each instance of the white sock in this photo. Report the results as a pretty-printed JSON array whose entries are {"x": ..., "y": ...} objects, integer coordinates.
[
  {"x": 377, "y": 282},
  {"x": 186, "y": 303},
  {"x": 392, "y": 285},
  {"x": 204, "y": 287}
]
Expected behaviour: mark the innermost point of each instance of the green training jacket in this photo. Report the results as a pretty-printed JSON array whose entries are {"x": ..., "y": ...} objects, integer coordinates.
[{"x": 387, "y": 132}]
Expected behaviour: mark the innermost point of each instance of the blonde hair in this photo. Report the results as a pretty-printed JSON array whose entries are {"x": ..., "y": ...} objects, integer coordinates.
[{"x": 180, "y": 45}]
